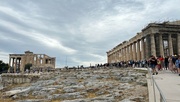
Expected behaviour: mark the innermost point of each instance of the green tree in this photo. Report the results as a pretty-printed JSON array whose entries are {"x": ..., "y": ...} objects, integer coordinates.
[
  {"x": 3, "y": 67},
  {"x": 28, "y": 66}
]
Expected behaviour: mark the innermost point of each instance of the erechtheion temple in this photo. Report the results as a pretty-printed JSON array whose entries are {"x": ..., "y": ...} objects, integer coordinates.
[
  {"x": 158, "y": 39},
  {"x": 17, "y": 62}
]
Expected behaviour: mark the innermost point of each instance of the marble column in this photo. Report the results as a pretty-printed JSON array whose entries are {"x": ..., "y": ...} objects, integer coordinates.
[
  {"x": 110, "y": 62},
  {"x": 108, "y": 58},
  {"x": 9, "y": 64},
  {"x": 138, "y": 50},
  {"x": 122, "y": 54},
  {"x": 130, "y": 53},
  {"x": 127, "y": 53},
  {"x": 161, "y": 45},
  {"x": 114, "y": 58},
  {"x": 119, "y": 55},
  {"x": 170, "y": 44},
  {"x": 22, "y": 64},
  {"x": 19, "y": 65},
  {"x": 111, "y": 58},
  {"x": 142, "y": 49},
  {"x": 15, "y": 65},
  {"x": 178, "y": 44},
  {"x": 44, "y": 60},
  {"x": 153, "y": 46},
  {"x": 36, "y": 59},
  {"x": 134, "y": 52},
  {"x": 146, "y": 49}
]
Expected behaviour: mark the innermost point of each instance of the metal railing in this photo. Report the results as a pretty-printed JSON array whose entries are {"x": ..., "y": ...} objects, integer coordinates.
[{"x": 153, "y": 82}]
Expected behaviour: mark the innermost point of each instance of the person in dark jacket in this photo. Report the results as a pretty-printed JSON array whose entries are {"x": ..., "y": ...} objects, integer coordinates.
[
  {"x": 153, "y": 63},
  {"x": 166, "y": 62}
]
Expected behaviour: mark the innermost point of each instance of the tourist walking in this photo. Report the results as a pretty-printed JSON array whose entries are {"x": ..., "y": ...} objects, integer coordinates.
[
  {"x": 166, "y": 63},
  {"x": 159, "y": 63},
  {"x": 174, "y": 58},
  {"x": 177, "y": 63},
  {"x": 162, "y": 61},
  {"x": 153, "y": 63},
  {"x": 170, "y": 63}
]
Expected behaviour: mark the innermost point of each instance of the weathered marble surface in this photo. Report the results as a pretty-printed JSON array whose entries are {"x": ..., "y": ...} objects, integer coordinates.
[{"x": 99, "y": 85}]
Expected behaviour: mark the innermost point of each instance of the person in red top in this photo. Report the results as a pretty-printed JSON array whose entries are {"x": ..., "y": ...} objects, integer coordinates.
[{"x": 162, "y": 61}]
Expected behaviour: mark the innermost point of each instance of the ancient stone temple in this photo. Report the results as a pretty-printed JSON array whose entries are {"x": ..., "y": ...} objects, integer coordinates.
[
  {"x": 158, "y": 39},
  {"x": 17, "y": 62}
]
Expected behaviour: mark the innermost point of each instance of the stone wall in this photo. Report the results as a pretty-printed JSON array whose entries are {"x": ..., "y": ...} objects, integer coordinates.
[{"x": 8, "y": 79}]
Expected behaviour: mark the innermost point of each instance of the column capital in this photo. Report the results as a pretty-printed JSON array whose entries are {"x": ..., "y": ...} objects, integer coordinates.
[
  {"x": 134, "y": 42},
  {"x": 138, "y": 40},
  {"x": 143, "y": 38}
]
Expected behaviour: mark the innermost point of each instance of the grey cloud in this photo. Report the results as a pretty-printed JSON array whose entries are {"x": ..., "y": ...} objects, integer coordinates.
[{"x": 88, "y": 28}]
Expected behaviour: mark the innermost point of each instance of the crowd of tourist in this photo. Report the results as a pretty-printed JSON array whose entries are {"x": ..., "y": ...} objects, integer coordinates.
[
  {"x": 130, "y": 63},
  {"x": 171, "y": 63},
  {"x": 159, "y": 63}
]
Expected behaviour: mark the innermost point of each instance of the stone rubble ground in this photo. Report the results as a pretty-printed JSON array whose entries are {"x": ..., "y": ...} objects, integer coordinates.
[{"x": 87, "y": 85}]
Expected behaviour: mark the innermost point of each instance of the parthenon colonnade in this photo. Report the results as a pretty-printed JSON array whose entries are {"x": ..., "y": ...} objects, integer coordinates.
[{"x": 158, "y": 39}]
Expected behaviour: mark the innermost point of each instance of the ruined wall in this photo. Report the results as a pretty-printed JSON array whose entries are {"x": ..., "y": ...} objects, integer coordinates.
[
  {"x": 8, "y": 79},
  {"x": 18, "y": 61}
]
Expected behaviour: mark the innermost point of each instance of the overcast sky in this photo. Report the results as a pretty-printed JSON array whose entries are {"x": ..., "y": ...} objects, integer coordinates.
[{"x": 81, "y": 31}]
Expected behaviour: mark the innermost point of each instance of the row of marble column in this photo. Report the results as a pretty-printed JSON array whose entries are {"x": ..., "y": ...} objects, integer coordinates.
[
  {"x": 15, "y": 63},
  {"x": 129, "y": 52},
  {"x": 161, "y": 47},
  {"x": 39, "y": 59},
  {"x": 139, "y": 50}
]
